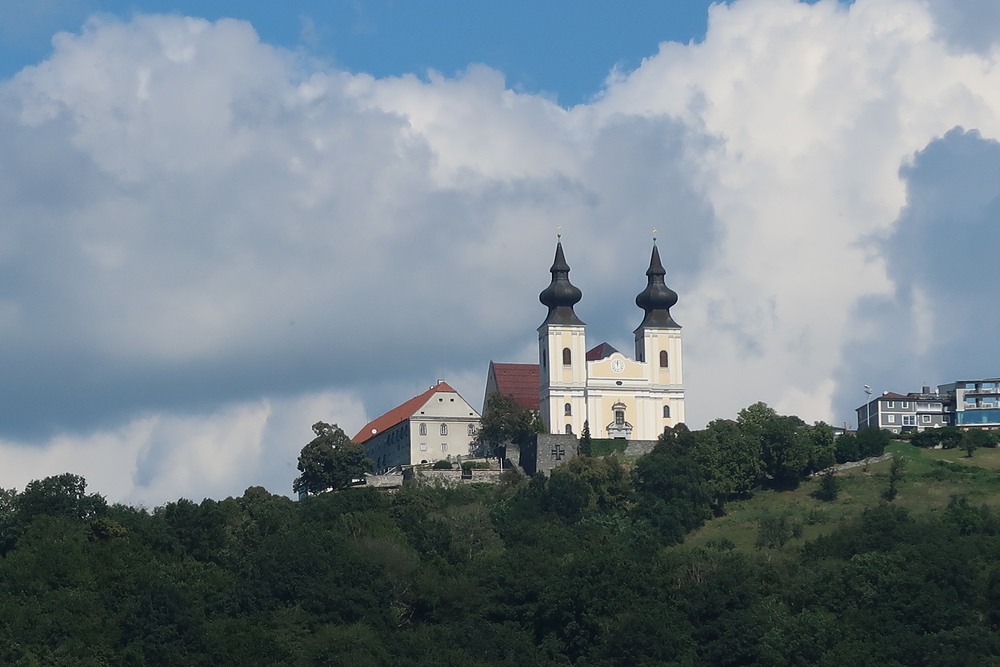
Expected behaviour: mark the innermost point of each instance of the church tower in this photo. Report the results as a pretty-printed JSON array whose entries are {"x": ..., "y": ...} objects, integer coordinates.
[
  {"x": 562, "y": 353},
  {"x": 658, "y": 344}
]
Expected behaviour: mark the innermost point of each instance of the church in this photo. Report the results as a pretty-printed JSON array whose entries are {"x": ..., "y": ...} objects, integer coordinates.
[{"x": 619, "y": 396}]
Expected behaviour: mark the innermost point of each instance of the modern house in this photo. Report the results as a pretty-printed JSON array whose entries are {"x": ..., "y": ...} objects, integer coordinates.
[
  {"x": 898, "y": 413},
  {"x": 966, "y": 404},
  {"x": 974, "y": 403},
  {"x": 437, "y": 424}
]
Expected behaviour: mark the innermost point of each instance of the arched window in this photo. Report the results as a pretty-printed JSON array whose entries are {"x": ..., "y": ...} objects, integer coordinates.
[
  {"x": 666, "y": 412},
  {"x": 444, "y": 429},
  {"x": 663, "y": 358},
  {"x": 568, "y": 410},
  {"x": 569, "y": 429},
  {"x": 472, "y": 429},
  {"x": 567, "y": 356},
  {"x": 423, "y": 429}
]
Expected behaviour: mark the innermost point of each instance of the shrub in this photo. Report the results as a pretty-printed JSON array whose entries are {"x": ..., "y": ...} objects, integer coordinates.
[
  {"x": 442, "y": 465},
  {"x": 816, "y": 517},
  {"x": 776, "y": 530},
  {"x": 828, "y": 488}
]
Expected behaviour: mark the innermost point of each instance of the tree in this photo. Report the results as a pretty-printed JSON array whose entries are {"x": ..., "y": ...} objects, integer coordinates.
[
  {"x": 505, "y": 421},
  {"x": 824, "y": 447},
  {"x": 827, "y": 491},
  {"x": 847, "y": 448},
  {"x": 785, "y": 447},
  {"x": 672, "y": 494},
  {"x": 329, "y": 461},
  {"x": 730, "y": 456},
  {"x": 678, "y": 441},
  {"x": 872, "y": 441},
  {"x": 896, "y": 471},
  {"x": 974, "y": 439},
  {"x": 62, "y": 495},
  {"x": 775, "y": 531},
  {"x": 586, "y": 446}
]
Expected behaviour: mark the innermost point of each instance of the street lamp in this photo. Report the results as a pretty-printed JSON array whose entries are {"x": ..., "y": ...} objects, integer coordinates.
[{"x": 868, "y": 406}]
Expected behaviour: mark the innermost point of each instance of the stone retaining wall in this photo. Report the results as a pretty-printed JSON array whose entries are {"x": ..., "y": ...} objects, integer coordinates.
[
  {"x": 451, "y": 477},
  {"x": 639, "y": 447},
  {"x": 854, "y": 464}
]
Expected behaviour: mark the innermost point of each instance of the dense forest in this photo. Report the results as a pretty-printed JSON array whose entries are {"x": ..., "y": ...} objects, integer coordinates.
[{"x": 587, "y": 567}]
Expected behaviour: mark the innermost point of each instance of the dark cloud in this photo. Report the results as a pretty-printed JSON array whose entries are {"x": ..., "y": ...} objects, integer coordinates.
[
  {"x": 939, "y": 324},
  {"x": 967, "y": 25}
]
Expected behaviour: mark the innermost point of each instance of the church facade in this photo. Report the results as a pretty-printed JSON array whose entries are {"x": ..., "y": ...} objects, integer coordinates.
[{"x": 620, "y": 396}]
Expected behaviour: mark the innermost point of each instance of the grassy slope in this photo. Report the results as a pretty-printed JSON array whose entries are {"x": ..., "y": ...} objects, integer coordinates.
[{"x": 927, "y": 487}]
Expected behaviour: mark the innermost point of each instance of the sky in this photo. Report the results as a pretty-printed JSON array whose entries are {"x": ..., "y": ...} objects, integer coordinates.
[{"x": 217, "y": 228}]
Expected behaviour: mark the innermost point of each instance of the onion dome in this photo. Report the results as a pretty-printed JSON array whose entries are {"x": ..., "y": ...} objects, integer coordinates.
[
  {"x": 561, "y": 295},
  {"x": 657, "y": 298}
]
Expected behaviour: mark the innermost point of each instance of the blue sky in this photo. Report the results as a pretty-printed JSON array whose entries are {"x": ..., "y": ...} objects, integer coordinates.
[
  {"x": 563, "y": 47},
  {"x": 219, "y": 227}
]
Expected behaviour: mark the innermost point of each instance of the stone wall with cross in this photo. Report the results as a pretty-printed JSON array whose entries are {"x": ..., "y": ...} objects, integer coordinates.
[{"x": 550, "y": 450}]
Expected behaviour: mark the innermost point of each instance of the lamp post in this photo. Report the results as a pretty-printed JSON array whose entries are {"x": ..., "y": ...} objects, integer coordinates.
[{"x": 868, "y": 406}]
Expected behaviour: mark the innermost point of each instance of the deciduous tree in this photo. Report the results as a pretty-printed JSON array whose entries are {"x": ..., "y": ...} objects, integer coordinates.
[
  {"x": 730, "y": 456},
  {"x": 505, "y": 421},
  {"x": 329, "y": 461}
]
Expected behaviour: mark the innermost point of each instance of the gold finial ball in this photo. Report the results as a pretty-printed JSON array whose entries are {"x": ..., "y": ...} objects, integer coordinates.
[
  {"x": 559, "y": 232},
  {"x": 654, "y": 234}
]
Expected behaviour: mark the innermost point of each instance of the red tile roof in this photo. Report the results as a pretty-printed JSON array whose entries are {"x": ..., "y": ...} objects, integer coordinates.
[
  {"x": 519, "y": 381},
  {"x": 398, "y": 414},
  {"x": 602, "y": 351}
]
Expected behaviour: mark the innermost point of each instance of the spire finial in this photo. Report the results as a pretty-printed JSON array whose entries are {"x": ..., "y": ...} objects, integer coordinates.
[
  {"x": 559, "y": 233},
  {"x": 654, "y": 235}
]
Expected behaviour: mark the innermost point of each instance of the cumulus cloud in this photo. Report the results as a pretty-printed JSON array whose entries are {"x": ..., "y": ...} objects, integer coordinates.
[
  {"x": 200, "y": 227},
  {"x": 155, "y": 459}
]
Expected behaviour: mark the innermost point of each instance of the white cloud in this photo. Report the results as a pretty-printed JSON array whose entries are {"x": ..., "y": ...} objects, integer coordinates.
[
  {"x": 152, "y": 460},
  {"x": 197, "y": 223}
]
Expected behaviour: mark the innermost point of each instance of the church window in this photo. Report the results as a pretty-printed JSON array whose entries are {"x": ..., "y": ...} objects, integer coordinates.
[
  {"x": 567, "y": 356},
  {"x": 423, "y": 429},
  {"x": 444, "y": 429},
  {"x": 663, "y": 358},
  {"x": 569, "y": 429},
  {"x": 545, "y": 358},
  {"x": 619, "y": 417},
  {"x": 568, "y": 410},
  {"x": 472, "y": 429},
  {"x": 666, "y": 412}
]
